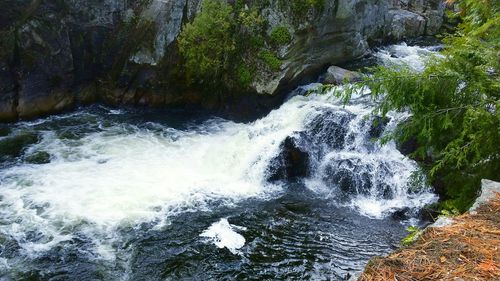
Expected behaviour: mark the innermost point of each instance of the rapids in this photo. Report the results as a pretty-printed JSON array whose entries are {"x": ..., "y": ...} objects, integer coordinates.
[{"x": 124, "y": 195}]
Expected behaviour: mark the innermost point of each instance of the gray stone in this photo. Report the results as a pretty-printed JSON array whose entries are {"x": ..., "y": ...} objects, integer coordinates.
[
  {"x": 442, "y": 222},
  {"x": 337, "y": 75},
  {"x": 405, "y": 24},
  {"x": 489, "y": 189}
]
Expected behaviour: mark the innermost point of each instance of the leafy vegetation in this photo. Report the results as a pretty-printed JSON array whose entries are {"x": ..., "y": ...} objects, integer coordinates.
[
  {"x": 225, "y": 44},
  {"x": 271, "y": 60},
  {"x": 280, "y": 35},
  {"x": 454, "y": 103},
  {"x": 208, "y": 44},
  {"x": 414, "y": 233}
]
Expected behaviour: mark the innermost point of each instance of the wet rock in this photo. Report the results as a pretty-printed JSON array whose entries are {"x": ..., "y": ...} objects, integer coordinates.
[
  {"x": 347, "y": 177},
  {"x": 14, "y": 146},
  {"x": 291, "y": 164},
  {"x": 408, "y": 147},
  {"x": 40, "y": 157},
  {"x": 353, "y": 177},
  {"x": 429, "y": 213},
  {"x": 337, "y": 75},
  {"x": 402, "y": 214},
  {"x": 378, "y": 127},
  {"x": 7, "y": 81},
  {"x": 45, "y": 68},
  {"x": 329, "y": 129},
  {"x": 7, "y": 107}
]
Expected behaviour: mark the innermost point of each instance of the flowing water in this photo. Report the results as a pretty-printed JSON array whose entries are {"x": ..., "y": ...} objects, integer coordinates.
[{"x": 102, "y": 194}]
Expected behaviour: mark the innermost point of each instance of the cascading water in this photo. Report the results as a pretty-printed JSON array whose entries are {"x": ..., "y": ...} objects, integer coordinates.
[{"x": 128, "y": 197}]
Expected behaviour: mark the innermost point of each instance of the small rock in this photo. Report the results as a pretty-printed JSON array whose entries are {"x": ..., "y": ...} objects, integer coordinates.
[{"x": 337, "y": 75}]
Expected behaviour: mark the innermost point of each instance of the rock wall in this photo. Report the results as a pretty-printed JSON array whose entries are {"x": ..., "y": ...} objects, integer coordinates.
[{"x": 57, "y": 54}]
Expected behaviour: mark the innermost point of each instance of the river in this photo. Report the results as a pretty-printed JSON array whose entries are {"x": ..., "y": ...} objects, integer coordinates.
[{"x": 122, "y": 194}]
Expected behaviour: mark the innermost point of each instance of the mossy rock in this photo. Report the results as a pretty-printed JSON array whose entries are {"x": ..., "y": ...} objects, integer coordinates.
[
  {"x": 15, "y": 145},
  {"x": 39, "y": 157}
]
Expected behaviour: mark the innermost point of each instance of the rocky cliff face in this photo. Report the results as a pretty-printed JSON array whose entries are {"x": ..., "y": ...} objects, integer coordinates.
[{"x": 56, "y": 54}]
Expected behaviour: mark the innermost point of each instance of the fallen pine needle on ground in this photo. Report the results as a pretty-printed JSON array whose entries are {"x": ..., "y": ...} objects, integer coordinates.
[{"x": 467, "y": 250}]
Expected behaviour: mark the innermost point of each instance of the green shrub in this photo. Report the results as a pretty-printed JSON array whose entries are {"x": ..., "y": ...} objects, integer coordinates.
[
  {"x": 224, "y": 44},
  {"x": 245, "y": 75},
  {"x": 271, "y": 60},
  {"x": 280, "y": 35},
  {"x": 208, "y": 45}
]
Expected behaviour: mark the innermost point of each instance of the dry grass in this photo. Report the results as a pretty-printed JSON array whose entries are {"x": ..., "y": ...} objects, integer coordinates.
[{"x": 466, "y": 250}]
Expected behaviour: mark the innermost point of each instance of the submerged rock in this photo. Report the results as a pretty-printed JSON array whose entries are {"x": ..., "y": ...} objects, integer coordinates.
[
  {"x": 13, "y": 146},
  {"x": 291, "y": 164},
  {"x": 39, "y": 157},
  {"x": 4, "y": 131}
]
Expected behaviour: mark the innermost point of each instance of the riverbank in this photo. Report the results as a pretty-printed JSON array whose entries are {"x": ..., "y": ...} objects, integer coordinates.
[{"x": 465, "y": 248}]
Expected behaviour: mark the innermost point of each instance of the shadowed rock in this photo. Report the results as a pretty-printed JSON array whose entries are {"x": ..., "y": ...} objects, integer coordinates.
[{"x": 291, "y": 164}]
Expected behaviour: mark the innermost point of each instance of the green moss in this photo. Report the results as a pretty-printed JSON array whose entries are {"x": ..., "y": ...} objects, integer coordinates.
[
  {"x": 245, "y": 75},
  {"x": 271, "y": 60},
  {"x": 280, "y": 35}
]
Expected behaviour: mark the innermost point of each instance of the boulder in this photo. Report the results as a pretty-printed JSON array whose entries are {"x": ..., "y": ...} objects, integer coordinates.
[
  {"x": 337, "y": 75},
  {"x": 404, "y": 24},
  {"x": 489, "y": 190},
  {"x": 291, "y": 164}
]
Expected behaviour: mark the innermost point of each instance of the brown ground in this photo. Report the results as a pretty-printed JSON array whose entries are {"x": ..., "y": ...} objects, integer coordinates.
[{"x": 469, "y": 249}]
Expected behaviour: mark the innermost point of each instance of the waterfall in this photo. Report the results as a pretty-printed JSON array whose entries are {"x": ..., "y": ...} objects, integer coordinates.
[{"x": 107, "y": 173}]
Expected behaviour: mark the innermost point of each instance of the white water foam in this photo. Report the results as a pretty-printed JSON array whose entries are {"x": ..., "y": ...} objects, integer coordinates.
[
  {"x": 223, "y": 235},
  {"x": 413, "y": 56},
  {"x": 125, "y": 175}
]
